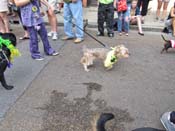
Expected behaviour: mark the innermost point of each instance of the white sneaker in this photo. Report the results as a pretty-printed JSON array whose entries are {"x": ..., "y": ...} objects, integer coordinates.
[
  {"x": 50, "y": 34},
  {"x": 54, "y": 36}
]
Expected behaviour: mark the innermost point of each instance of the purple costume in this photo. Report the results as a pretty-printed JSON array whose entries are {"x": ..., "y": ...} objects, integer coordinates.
[{"x": 31, "y": 18}]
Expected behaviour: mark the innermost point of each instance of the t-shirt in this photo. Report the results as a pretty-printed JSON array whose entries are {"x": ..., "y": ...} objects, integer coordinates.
[
  {"x": 30, "y": 14},
  {"x": 106, "y": 1},
  {"x": 135, "y": 12}
]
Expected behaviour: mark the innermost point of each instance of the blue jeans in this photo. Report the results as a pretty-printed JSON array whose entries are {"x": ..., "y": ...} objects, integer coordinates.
[
  {"x": 73, "y": 11},
  {"x": 123, "y": 20},
  {"x": 34, "y": 48}
]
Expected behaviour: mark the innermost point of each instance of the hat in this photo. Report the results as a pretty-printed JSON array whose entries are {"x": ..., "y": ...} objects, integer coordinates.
[{"x": 172, "y": 117}]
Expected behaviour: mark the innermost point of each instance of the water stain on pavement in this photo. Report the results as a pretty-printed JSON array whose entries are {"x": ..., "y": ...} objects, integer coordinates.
[{"x": 77, "y": 115}]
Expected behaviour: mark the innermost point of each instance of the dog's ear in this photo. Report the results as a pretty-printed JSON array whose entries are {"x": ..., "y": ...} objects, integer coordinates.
[{"x": 117, "y": 50}]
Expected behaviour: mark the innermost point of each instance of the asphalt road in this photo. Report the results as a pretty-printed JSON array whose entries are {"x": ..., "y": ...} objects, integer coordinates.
[{"x": 58, "y": 95}]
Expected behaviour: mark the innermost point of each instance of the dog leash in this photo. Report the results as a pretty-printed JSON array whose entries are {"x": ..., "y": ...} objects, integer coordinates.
[
  {"x": 4, "y": 55},
  {"x": 104, "y": 45}
]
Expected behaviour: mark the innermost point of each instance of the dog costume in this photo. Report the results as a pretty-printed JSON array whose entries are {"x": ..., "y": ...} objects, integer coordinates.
[
  {"x": 13, "y": 51},
  {"x": 110, "y": 59}
]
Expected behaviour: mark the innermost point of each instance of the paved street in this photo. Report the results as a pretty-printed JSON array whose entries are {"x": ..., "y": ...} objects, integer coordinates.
[{"x": 58, "y": 95}]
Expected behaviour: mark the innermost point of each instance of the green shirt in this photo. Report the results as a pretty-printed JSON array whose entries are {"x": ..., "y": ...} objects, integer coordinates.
[{"x": 106, "y": 1}]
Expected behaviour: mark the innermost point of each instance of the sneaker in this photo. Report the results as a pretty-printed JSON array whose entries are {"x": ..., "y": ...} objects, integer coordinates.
[
  {"x": 55, "y": 36},
  {"x": 39, "y": 58},
  {"x": 110, "y": 34},
  {"x": 53, "y": 54},
  {"x": 78, "y": 40},
  {"x": 50, "y": 34},
  {"x": 100, "y": 34}
]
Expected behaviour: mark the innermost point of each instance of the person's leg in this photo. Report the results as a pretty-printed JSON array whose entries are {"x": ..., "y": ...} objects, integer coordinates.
[
  {"x": 165, "y": 5},
  {"x": 173, "y": 24},
  {"x": 144, "y": 7},
  {"x": 53, "y": 22},
  {"x": 120, "y": 19},
  {"x": 139, "y": 24},
  {"x": 33, "y": 42},
  {"x": 77, "y": 12},
  {"x": 126, "y": 19},
  {"x": 4, "y": 17},
  {"x": 2, "y": 28},
  {"x": 43, "y": 34},
  {"x": 159, "y": 2},
  {"x": 101, "y": 19},
  {"x": 68, "y": 21},
  {"x": 109, "y": 21}
]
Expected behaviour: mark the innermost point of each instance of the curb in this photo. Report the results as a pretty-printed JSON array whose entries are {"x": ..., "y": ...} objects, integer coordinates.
[{"x": 132, "y": 27}]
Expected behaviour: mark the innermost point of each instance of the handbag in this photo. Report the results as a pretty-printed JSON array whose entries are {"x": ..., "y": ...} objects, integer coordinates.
[{"x": 122, "y": 6}]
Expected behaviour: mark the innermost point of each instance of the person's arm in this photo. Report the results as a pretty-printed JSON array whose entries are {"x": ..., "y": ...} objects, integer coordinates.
[
  {"x": 45, "y": 3},
  {"x": 21, "y": 2},
  {"x": 115, "y": 4},
  {"x": 172, "y": 12}
]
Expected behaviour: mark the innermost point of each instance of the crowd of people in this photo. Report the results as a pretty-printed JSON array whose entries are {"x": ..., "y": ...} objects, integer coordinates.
[{"x": 31, "y": 12}]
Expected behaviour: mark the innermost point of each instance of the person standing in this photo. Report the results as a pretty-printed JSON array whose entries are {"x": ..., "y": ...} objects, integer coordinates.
[
  {"x": 73, "y": 10},
  {"x": 4, "y": 22},
  {"x": 143, "y": 5},
  {"x": 161, "y": 3},
  {"x": 31, "y": 18},
  {"x": 105, "y": 14},
  {"x": 52, "y": 19}
]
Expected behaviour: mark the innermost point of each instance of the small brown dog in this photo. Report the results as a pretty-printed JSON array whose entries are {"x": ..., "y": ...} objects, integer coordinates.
[{"x": 89, "y": 55}]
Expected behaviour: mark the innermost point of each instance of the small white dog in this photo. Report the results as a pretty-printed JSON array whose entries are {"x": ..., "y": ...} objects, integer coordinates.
[{"x": 108, "y": 56}]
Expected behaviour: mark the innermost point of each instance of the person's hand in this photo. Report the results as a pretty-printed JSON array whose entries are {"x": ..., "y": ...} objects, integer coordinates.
[
  {"x": 74, "y": 1},
  {"x": 42, "y": 13}
]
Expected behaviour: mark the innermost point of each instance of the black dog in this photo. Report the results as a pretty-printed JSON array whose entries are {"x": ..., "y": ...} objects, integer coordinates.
[
  {"x": 168, "y": 44},
  {"x": 4, "y": 58},
  {"x": 103, "y": 118}
]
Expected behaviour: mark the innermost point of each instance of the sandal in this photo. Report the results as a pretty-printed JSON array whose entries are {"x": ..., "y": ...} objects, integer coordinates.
[{"x": 24, "y": 38}]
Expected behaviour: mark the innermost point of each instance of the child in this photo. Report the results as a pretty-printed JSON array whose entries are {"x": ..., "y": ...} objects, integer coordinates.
[
  {"x": 31, "y": 18},
  {"x": 135, "y": 17}
]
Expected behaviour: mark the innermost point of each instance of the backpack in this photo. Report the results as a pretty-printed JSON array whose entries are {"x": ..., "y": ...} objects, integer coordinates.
[{"x": 122, "y": 5}]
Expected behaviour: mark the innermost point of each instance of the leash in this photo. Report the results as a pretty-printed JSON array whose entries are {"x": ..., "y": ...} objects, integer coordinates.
[
  {"x": 4, "y": 55},
  {"x": 101, "y": 43}
]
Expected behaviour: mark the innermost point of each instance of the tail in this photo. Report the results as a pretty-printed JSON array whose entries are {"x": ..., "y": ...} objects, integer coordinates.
[
  {"x": 164, "y": 38},
  {"x": 101, "y": 121}
]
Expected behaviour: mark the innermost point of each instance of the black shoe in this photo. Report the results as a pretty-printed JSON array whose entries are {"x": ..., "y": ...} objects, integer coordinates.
[
  {"x": 141, "y": 34},
  {"x": 110, "y": 34},
  {"x": 100, "y": 34}
]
